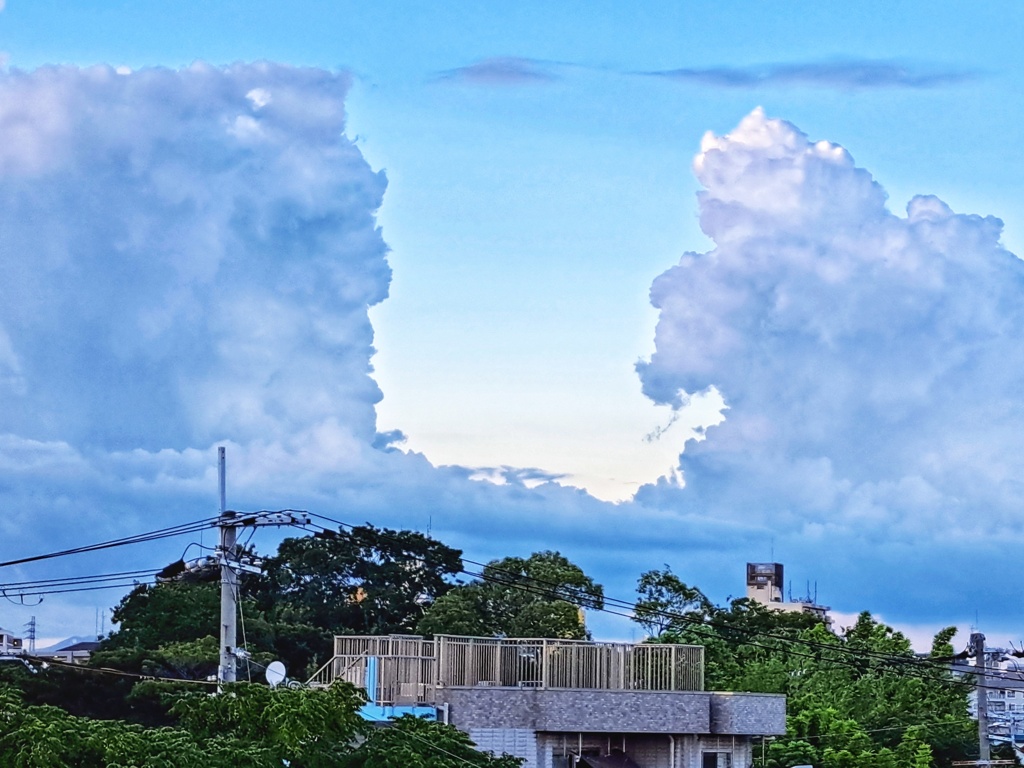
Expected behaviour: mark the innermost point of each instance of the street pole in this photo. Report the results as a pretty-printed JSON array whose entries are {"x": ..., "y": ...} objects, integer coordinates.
[
  {"x": 981, "y": 690},
  {"x": 228, "y": 583}
]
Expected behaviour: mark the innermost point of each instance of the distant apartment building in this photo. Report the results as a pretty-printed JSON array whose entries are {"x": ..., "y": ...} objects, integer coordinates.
[
  {"x": 10, "y": 643},
  {"x": 1004, "y": 693},
  {"x": 561, "y": 703},
  {"x": 764, "y": 585}
]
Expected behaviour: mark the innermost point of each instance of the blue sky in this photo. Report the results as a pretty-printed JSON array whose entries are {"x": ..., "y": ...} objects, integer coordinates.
[{"x": 531, "y": 170}]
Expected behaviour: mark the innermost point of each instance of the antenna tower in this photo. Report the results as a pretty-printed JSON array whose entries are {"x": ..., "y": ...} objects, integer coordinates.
[{"x": 31, "y": 626}]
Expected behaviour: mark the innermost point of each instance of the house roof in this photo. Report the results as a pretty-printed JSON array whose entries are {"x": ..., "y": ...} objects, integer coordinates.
[{"x": 83, "y": 646}]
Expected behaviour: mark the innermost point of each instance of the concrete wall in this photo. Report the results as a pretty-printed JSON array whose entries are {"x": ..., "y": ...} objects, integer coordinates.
[
  {"x": 598, "y": 711},
  {"x": 578, "y": 710},
  {"x": 751, "y": 714},
  {"x": 521, "y": 742}
]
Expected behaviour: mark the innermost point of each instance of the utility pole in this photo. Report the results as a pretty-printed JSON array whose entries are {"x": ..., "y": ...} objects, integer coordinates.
[
  {"x": 231, "y": 563},
  {"x": 228, "y": 581},
  {"x": 981, "y": 691}
]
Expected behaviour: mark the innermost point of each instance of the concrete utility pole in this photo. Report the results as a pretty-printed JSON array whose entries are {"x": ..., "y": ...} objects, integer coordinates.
[
  {"x": 228, "y": 582},
  {"x": 981, "y": 690},
  {"x": 232, "y": 562}
]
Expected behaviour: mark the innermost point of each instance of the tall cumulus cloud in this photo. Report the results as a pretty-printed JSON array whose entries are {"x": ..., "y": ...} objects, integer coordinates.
[
  {"x": 187, "y": 259},
  {"x": 187, "y": 255},
  {"x": 871, "y": 362}
]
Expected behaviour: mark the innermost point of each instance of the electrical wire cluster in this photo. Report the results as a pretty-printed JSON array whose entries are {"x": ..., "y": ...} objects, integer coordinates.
[
  {"x": 162, "y": 533},
  {"x": 22, "y": 589},
  {"x": 937, "y": 671},
  {"x": 928, "y": 669},
  {"x": 17, "y": 591},
  {"x": 933, "y": 670}
]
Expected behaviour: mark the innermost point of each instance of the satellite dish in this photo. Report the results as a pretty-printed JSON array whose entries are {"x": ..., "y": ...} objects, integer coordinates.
[{"x": 275, "y": 674}]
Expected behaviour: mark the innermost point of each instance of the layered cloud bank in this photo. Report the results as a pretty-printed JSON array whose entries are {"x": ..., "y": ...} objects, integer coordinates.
[
  {"x": 188, "y": 258},
  {"x": 871, "y": 362}
]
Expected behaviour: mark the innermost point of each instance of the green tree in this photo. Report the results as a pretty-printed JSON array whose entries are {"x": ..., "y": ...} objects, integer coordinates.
[
  {"x": 306, "y": 727},
  {"x": 32, "y": 735},
  {"x": 365, "y": 580},
  {"x": 665, "y": 602},
  {"x": 540, "y": 596},
  {"x": 168, "y": 629},
  {"x": 152, "y": 616},
  {"x": 249, "y": 726},
  {"x": 412, "y": 741},
  {"x": 853, "y": 699}
]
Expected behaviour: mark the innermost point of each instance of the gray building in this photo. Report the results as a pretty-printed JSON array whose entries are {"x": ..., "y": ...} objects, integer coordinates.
[
  {"x": 1003, "y": 689},
  {"x": 10, "y": 643},
  {"x": 764, "y": 586},
  {"x": 562, "y": 703}
]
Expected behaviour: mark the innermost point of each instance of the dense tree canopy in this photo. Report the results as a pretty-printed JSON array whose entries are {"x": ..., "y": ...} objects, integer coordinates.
[
  {"x": 362, "y": 580},
  {"x": 169, "y": 629},
  {"x": 412, "y": 741},
  {"x": 857, "y": 699},
  {"x": 249, "y": 726},
  {"x": 540, "y": 596}
]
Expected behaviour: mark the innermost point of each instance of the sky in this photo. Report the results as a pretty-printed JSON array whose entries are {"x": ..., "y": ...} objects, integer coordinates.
[{"x": 688, "y": 285}]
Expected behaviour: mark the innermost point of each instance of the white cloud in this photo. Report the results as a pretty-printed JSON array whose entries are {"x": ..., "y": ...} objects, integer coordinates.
[
  {"x": 846, "y": 75},
  {"x": 188, "y": 259},
  {"x": 185, "y": 263},
  {"x": 872, "y": 363},
  {"x": 178, "y": 269}
]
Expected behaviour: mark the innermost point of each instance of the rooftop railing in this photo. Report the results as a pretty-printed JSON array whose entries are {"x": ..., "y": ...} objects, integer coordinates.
[{"x": 407, "y": 668}]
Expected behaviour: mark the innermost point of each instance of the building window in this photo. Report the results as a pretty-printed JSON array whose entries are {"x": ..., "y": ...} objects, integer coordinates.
[
  {"x": 716, "y": 760},
  {"x": 1011, "y": 694}
]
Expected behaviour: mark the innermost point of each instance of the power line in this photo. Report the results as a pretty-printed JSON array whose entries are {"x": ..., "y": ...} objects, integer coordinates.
[
  {"x": 490, "y": 573},
  {"x": 897, "y": 665},
  {"x": 161, "y": 533},
  {"x": 908, "y": 665},
  {"x": 43, "y": 583},
  {"x": 108, "y": 671}
]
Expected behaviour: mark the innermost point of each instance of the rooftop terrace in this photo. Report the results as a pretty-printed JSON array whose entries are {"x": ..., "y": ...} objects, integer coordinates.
[{"x": 408, "y": 669}]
